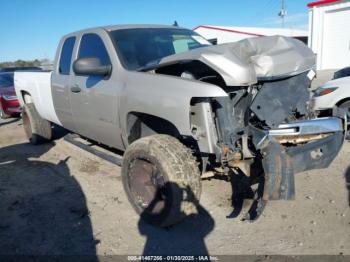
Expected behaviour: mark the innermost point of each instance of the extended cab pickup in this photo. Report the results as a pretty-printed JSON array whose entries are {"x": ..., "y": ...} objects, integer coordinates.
[{"x": 182, "y": 109}]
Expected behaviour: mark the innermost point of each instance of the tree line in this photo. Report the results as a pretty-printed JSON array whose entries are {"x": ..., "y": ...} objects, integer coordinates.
[{"x": 26, "y": 63}]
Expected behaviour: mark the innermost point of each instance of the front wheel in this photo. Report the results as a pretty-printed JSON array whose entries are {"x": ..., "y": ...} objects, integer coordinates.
[
  {"x": 346, "y": 106},
  {"x": 161, "y": 179},
  {"x": 37, "y": 129}
]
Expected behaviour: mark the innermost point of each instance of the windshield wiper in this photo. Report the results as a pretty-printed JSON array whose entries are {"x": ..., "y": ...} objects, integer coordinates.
[{"x": 149, "y": 65}]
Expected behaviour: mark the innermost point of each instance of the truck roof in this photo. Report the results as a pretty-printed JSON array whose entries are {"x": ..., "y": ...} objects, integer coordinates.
[
  {"x": 126, "y": 26},
  {"x": 133, "y": 26}
]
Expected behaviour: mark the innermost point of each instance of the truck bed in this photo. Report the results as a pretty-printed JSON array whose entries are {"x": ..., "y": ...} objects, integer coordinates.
[{"x": 38, "y": 85}]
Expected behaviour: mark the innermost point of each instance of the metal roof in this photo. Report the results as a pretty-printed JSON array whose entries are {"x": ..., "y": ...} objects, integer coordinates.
[
  {"x": 258, "y": 31},
  {"x": 322, "y": 2}
]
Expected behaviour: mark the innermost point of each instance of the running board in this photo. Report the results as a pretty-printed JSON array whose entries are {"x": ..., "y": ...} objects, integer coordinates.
[{"x": 94, "y": 149}]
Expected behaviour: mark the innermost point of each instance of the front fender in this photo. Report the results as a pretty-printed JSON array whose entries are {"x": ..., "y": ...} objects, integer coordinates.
[{"x": 167, "y": 97}]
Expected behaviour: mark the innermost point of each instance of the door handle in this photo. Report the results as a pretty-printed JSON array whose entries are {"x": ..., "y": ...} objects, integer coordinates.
[{"x": 75, "y": 89}]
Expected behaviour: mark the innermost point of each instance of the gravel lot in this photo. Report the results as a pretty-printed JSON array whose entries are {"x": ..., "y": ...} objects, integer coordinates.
[{"x": 58, "y": 199}]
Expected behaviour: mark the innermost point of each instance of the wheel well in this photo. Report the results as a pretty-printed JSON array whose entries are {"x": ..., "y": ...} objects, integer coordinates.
[
  {"x": 343, "y": 100},
  {"x": 27, "y": 98},
  {"x": 142, "y": 125}
]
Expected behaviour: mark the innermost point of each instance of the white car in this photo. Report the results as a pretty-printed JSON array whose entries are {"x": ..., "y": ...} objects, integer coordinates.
[{"x": 333, "y": 93}]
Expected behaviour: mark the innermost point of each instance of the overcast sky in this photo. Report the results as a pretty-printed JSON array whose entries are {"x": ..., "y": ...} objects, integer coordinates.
[{"x": 32, "y": 28}]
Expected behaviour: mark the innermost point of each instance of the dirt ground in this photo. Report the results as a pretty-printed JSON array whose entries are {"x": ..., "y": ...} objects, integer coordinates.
[{"x": 58, "y": 199}]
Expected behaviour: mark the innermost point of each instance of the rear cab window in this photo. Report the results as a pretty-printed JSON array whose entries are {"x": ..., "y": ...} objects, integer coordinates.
[
  {"x": 6, "y": 80},
  {"x": 66, "y": 56}
]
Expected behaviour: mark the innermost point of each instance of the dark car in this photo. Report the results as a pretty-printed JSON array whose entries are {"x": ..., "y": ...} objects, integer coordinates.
[{"x": 9, "y": 105}]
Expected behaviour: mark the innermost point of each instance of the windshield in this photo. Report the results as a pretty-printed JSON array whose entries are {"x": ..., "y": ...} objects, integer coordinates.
[
  {"x": 6, "y": 80},
  {"x": 342, "y": 73},
  {"x": 142, "y": 47}
]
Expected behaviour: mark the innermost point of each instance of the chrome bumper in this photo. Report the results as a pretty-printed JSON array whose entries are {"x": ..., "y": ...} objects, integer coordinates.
[
  {"x": 304, "y": 130},
  {"x": 309, "y": 127},
  {"x": 286, "y": 152}
]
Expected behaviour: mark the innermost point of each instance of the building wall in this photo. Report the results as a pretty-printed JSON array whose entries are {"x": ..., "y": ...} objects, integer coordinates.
[{"x": 318, "y": 19}]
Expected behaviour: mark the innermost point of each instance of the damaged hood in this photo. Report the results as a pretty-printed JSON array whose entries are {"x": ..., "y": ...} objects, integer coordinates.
[{"x": 247, "y": 61}]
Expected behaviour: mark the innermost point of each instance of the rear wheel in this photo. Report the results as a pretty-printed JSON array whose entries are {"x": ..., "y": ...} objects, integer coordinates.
[
  {"x": 346, "y": 106},
  {"x": 37, "y": 129},
  {"x": 161, "y": 179}
]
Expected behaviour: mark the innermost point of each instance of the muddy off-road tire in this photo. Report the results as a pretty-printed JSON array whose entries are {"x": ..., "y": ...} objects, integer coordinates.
[
  {"x": 161, "y": 179},
  {"x": 37, "y": 129}
]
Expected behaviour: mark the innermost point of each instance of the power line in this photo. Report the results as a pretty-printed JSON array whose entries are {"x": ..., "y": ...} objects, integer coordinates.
[
  {"x": 271, "y": 4},
  {"x": 282, "y": 13}
]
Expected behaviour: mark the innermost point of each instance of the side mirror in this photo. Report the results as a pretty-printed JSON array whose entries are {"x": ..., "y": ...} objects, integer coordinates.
[{"x": 91, "y": 66}]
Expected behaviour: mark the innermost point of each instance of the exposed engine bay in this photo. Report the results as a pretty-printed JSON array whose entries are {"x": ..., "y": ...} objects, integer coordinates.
[{"x": 264, "y": 127}]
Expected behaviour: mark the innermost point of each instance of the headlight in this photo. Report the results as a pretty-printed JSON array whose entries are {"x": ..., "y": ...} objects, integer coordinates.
[
  {"x": 324, "y": 91},
  {"x": 7, "y": 97}
]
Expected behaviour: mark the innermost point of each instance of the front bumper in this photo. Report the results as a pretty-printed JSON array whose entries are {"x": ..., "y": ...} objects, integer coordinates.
[
  {"x": 322, "y": 139},
  {"x": 296, "y": 147},
  {"x": 305, "y": 130}
]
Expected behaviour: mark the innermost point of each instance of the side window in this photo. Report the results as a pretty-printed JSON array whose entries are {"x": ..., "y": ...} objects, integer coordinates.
[
  {"x": 91, "y": 45},
  {"x": 66, "y": 56}
]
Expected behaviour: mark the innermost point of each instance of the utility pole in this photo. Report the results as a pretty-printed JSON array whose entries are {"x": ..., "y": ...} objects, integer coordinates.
[{"x": 282, "y": 13}]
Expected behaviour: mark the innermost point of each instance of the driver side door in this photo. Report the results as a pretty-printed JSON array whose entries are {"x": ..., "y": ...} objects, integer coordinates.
[{"x": 94, "y": 98}]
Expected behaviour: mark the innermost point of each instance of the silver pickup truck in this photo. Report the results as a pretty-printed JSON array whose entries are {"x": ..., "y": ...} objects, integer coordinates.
[{"x": 182, "y": 109}]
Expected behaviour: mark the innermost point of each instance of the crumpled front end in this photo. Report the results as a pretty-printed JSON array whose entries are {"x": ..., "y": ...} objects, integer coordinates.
[
  {"x": 272, "y": 125},
  {"x": 297, "y": 147},
  {"x": 250, "y": 60},
  {"x": 263, "y": 131},
  {"x": 264, "y": 127}
]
